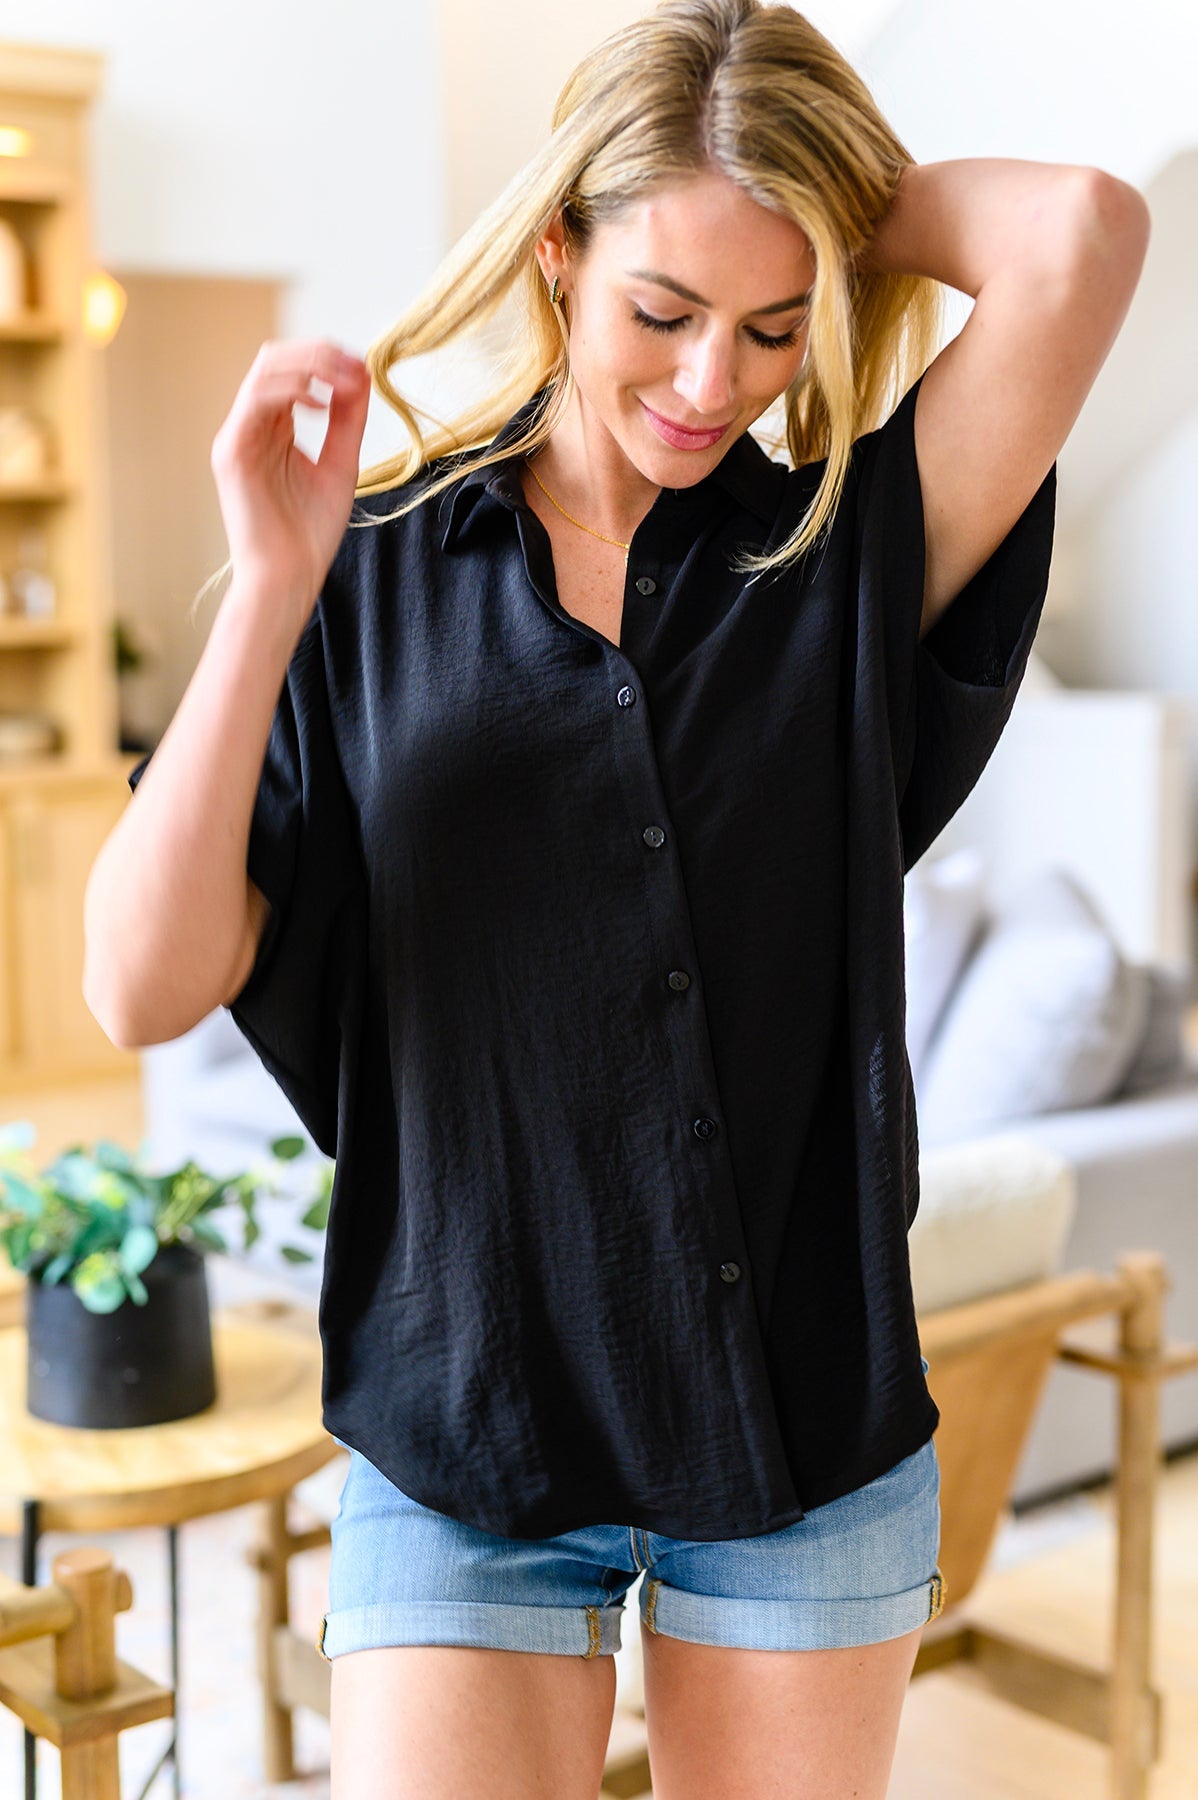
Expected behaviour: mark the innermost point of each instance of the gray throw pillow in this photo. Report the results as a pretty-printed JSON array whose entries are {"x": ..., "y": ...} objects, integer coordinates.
[
  {"x": 1047, "y": 1014},
  {"x": 1161, "y": 1055}
]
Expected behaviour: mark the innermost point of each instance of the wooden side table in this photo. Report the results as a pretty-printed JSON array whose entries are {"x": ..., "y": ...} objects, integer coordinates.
[{"x": 262, "y": 1435}]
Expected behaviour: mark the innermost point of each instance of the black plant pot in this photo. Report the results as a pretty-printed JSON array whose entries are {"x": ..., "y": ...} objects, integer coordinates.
[{"x": 139, "y": 1365}]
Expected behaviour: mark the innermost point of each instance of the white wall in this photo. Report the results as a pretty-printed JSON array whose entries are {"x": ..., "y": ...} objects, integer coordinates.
[
  {"x": 279, "y": 139},
  {"x": 502, "y": 67},
  {"x": 1139, "y": 627},
  {"x": 1080, "y": 81}
]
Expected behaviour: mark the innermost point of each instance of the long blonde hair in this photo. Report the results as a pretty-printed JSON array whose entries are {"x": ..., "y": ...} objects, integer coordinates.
[{"x": 753, "y": 91}]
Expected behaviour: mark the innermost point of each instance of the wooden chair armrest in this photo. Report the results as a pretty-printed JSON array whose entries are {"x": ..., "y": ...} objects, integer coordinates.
[{"x": 1151, "y": 1365}]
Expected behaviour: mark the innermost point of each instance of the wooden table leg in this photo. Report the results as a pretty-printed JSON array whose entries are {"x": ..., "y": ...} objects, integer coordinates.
[
  {"x": 172, "y": 1750},
  {"x": 1132, "y": 1716},
  {"x": 278, "y": 1753},
  {"x": 30, "y": 1538}
]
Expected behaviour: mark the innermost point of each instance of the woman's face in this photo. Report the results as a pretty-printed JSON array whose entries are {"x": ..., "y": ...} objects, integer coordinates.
[{"x": 646, "y": 356}]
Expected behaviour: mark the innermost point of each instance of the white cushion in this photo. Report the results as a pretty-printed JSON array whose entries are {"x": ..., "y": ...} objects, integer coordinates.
[
  {"x": 1048, "y": 1014},
  {"x": 993, "y": 1213},
  {"x": 943, "y": 917}
]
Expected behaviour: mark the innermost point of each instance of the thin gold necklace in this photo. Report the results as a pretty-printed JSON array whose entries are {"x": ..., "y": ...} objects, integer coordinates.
[{"x": 565, "y": 515}]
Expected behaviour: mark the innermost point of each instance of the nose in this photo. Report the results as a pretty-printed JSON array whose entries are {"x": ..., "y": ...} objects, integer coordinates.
[{"x": 706, "y": 375}]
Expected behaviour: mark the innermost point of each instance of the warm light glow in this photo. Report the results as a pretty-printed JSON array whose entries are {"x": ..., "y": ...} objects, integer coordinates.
[
  {"x": 103, "y": 307},
  {"x": 15, "y": 141}
]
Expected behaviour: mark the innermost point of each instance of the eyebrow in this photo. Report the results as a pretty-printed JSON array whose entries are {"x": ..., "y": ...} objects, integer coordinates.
[{"x": 676, "y": 287}]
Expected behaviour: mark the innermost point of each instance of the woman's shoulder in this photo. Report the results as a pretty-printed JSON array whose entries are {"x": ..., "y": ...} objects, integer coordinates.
[
  {"x": 382, "y": 502},
  {"x": 391, "y": 539},
  {"x": 383, "y": 520}
]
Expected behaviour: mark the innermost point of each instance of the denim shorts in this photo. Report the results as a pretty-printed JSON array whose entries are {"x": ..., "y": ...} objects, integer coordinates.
[{"x": 857, "y": 1570}]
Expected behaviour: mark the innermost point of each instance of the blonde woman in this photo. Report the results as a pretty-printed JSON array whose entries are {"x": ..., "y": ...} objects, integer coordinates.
[{"x": 543, "y": 825}]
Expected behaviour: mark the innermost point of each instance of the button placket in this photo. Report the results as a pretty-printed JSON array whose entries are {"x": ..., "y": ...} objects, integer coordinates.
[{"x": 719, "y": 1235}]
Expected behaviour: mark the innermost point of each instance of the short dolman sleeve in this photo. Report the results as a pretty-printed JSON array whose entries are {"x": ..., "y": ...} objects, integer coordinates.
[
  {"x": 950, "y": 693},
  {"x": 297, "y": 1004}
]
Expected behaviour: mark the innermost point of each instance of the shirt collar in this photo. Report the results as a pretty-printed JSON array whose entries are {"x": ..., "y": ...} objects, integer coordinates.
[{"x": 745, "y": 471}]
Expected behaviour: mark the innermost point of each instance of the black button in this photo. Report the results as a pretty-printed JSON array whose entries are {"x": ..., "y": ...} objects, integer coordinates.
[
  {"x": 679, "y": 980},
  {"x": 626, "y": 696},
  {"x": 654, "y": 836},
  {"x": 704, "y": 1128},
  {"x": 730, "y": 1271},
  {"x": 646, "y": 585}
]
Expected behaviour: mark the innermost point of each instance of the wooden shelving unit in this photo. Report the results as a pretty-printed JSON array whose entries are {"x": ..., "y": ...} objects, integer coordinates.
[{"x": 57, "y": 808}]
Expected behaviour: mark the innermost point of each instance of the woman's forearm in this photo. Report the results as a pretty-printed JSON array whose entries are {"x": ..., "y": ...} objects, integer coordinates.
[
  {"x": 966, "y": 221},
  {"x": 167, "y": 900}
]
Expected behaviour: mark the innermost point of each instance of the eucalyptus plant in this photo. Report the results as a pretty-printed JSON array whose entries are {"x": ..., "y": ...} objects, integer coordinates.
[{"x": 97, "y": 1219}]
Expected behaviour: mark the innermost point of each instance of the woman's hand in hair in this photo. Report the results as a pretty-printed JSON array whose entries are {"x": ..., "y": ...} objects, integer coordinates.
[{"x": 284, "y": 514}]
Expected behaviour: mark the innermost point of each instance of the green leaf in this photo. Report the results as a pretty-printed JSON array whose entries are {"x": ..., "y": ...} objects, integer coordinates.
[
  {"x": 139, "y": 1247},
  {"x": 288, "y": 1148},
  {"x": 54, "y": 1270},
  {"x": 114, "y": 1156},
  {"x": 19, "y": 1240},
  {"x": 100, "y": 1231},
  {"x": 102, "y": 1296},
  {"x": 207, "y": 1235},
  {"x": 74, "y": 1174},
  {"x": 290, "y": 1254},
  {"x": 253, "y": 1231},
  {"x": 22, "y": 1195},
  {"x": 100, "y": 1265},
  {"x": 317, "y": 1215},
  {"x": 117, "y": 1189},
  {"x": 143, "y": 1211},
  {"x": 136, "y": 1287}
]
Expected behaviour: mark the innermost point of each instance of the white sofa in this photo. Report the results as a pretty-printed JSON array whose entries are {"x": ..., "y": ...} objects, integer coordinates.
[
  {"x": 1087, "y": 792},
  {"x": 1091, "y": 785}
]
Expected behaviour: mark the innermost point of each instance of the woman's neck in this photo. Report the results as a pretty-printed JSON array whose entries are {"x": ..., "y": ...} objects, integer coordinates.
[{"x": 588, "y": 473}]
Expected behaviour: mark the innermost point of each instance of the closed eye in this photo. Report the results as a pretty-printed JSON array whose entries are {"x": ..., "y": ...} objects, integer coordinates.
[{"x": 786, "y": 342}]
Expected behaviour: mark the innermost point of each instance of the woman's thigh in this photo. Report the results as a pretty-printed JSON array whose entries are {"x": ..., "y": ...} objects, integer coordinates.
[
  {"x": 464, "y": 1663},
  {"x": 443, "y": 1721},
  {"x": 777, "y": 1665},
  {"x": 729, "y": 1724}
]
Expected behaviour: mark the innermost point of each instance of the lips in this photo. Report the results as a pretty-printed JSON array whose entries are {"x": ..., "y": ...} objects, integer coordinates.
[{"x": 683, "y": 437}]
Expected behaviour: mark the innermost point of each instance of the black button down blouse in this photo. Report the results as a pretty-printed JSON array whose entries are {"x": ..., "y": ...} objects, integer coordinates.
[{"x": 586, "y": 965}]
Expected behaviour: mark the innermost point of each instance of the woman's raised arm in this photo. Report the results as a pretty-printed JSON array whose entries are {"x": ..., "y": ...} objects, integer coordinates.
[{"x": 171, "y": 919}]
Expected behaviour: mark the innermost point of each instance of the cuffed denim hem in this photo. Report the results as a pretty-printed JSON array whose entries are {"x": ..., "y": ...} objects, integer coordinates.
[
  {"x": 787, "y": 1624},
  {"x": 565, "y": 1630}
]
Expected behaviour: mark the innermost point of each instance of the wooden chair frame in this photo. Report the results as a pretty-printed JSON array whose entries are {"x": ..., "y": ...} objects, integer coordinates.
[
  {"x": 999, "y": 1351},
  {"x": 60, "y": 1674}
]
